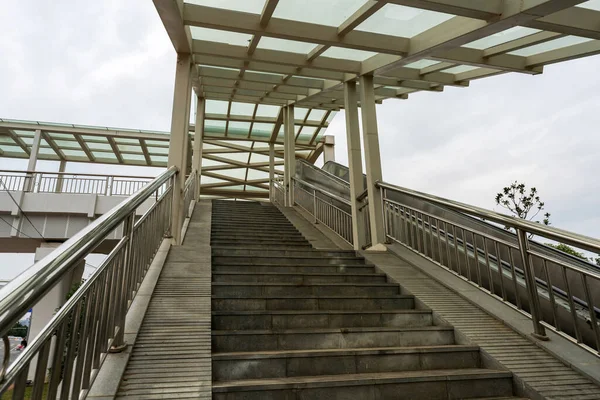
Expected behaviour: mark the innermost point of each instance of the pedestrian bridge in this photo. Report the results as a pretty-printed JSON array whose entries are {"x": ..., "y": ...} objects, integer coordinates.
[{"x": 229, "y": 277}]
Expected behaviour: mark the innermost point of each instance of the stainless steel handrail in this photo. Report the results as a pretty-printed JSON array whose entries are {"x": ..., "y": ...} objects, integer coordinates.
[
  {"x": 2, "y": 171},
  {"x": 26, "y": 289},
  {"x": 331, "y": 195},
  {"x": 581, "y": 241}
]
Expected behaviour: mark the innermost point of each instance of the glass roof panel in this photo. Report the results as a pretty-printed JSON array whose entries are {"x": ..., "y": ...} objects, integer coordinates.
[
  {"x": 402, "y": 21},
  {"x": 162, "y": 159},
  {"x": 214, "y": 35},
  {"x": 330, "y": 12},
  {"x": 459, "y": 69},
  {"x": 508, "y": 35},
  {"x": 213, "y": 127},
  {"x": 105, "y": 156},
  {"x": 551, "y": 45},
  {"x": 216, "y": 107},
  {"x": 591, "y": 5},
  {"x": 134, "y": 149},
  {"x": 300, "y": 113},
  {"x": 285, "y": 45},
  {"x": 65, "y": 144},
  {"x": 243, "y": 156},
  {"x": 7, "y": 139},
  {"x": 265, "y": 110},
  {"x": 331, "y": 115},
  {"x": 157, "y": 143},
  {"x": 259, "y": 158},
  {"x": 245, "y": 109},
  {"x": 73, "y": 153},
  {"x": 158, "y": 150},
  {"x": 316, "y": 115},
  {"x": 348, "y": 54},
  {"x": 47, "y": 151},
  {"x": 255, "y": 174},
  {"x": 260, "y": 129},
  {"x": 424, "y": 63},
  {"x": 13, "y": 149},
  {"x": 308, "y": 130},
  {"x": 55, "y": 135},
  {"x": 134, "y": 157},
  {"x": 237, "y": 128},
  {"x": 99, "y": 146},
  {"x": 88, "y": 139},
  {"x": 249, "y": 6},
  {"x": 127, "y": 141}
]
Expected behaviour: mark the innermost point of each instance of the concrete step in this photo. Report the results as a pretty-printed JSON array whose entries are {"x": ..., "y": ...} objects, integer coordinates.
[
  {"x": 250, "y": 217},
  {"x": 269, "y": 236},
  {"x": 295, "y": 278},
  {"x": 280, "y": 260},
  {"x": 257, "y": 224},
  {"x": 286, "y": 364},
  {"x": 261, "y": 246},
  {"x": 413, "y": 385},
  {"x": 253, "y": 242},
  {"x": 260, "y": 289},
  {"x": 251, "y": 229},
  {"x": 345, "y": 303},
  {"x": 280, "y": 319},
  {"x": 250, "y": 252},
  {"x": 294, "y": 269},
  {"x": 330, "y": 338}
]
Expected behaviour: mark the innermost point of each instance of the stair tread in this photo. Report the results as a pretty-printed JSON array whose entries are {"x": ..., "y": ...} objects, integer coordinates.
[
  {"x": 314, "y": 296},
  {"x": 359, "y": 379},
  {"x": 308, "y": 331},
  {"x": 252, "y": 273},
  {"x": 382, "y": 284},
  {"x": 324, "y": 312},
  {"x": 348, "y": 351}
]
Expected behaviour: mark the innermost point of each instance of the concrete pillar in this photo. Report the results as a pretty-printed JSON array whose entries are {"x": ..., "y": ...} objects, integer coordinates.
[
  {"x": 179, "y": 139},
  {"x": 59, "y": 181},
  {"x": 289, "y": 154},
  {"x": 45, "y": 309},
  {"x": 372, "y": 158},
  {"x": 33, "y": 156},
  {"x": 198, "y": 140},
  {"x": 328, "y": 148},
  {"x": 271, "y": 170},
  {"x": 357, "y": 185}
]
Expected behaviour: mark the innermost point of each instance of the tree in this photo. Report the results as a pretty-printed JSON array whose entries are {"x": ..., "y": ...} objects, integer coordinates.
[
  {"x": 526, "y": 204},
  {"x": 516, "y": 199},
  {"x": 569, "y": 250}
]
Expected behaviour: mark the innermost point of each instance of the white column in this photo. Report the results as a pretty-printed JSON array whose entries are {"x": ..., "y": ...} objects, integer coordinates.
[
  {"x": 271, "y": 170},
  {"x": 44, "y": 310},
  {"x": 178, "y": 142},
  {"x": 198, "y": 140},
  {"x": 59, "y": 181},
  {"x": 289, "y": 154},
  {"x": 372, "y": 158},
  {"x": 33, "y": 156},
  {"x": 357, "y": 185},
  {"x": 328, "y": 148}
]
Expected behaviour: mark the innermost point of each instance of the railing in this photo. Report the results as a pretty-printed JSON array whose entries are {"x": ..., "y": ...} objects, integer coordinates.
[
  {"x": 555, "y": 293},
  {"x": 279, "y": 190},
  {"x": 189, "y": 194},
  {"x": 61, "y": 182},
  {"x": 322, "y": 206},
  {"x": 73, "y": 345}
]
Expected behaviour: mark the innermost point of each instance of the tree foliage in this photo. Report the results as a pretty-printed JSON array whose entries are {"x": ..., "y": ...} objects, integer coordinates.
[
  {"x": 569, "y": 250},
  {"x": 522, "y": 202}
]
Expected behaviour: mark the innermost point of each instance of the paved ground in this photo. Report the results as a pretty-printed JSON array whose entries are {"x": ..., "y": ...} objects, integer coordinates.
[{"x": 14, "y": 343}]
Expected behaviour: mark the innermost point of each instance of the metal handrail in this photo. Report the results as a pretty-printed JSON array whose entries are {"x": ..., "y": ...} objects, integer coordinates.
[
  {"x": 581, "y": 241},
  {"x": 74, "y": 174},
  {"x": 331, "y": 195},
  {"x": 26, "y": 289}
]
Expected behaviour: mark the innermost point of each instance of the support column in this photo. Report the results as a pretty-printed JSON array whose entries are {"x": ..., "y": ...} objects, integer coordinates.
[
  {"x": 271, "y": 171},
  {"x": 328, "y": 148},
  {"x": 372, "y": 158},
  {"x": 289, "y": 154},
  {"x": 44, "y": 310},
  {"x": 59, "y": 181},
  {"x": 198, "y": 140},
  {"x": 33, "y": 156},
  {"x": 178, "y": 142},
  {"x": 357, "y": 185}
]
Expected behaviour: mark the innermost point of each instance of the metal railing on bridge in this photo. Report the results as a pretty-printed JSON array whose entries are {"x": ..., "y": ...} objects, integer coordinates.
[
  {"x": 557, "y": 291},
  {"x": 68, "y": 352},
  {"x": 71, "y": 183}
]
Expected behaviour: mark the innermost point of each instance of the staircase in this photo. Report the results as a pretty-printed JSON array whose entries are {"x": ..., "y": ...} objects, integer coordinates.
[{"x": 293, "y": 322}]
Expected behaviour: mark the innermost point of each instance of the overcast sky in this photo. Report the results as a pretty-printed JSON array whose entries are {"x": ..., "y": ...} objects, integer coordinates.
[{"x": 111, "y": 63}]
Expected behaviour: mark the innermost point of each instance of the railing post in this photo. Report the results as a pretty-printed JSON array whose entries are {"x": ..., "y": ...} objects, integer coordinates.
[
  {"x": 539, "y": 331},
  {"x": 122, "y": 297},
  {"x": 316, "y": 220}
]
